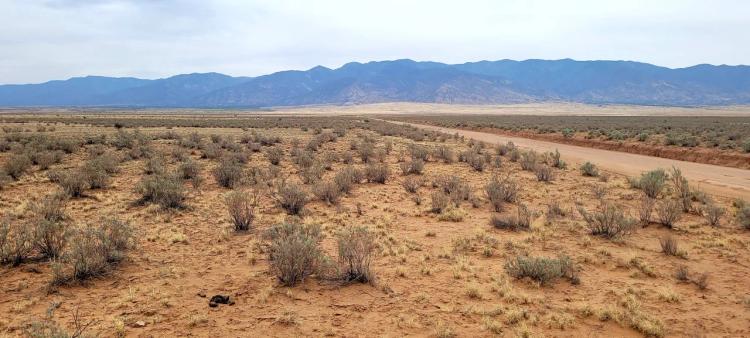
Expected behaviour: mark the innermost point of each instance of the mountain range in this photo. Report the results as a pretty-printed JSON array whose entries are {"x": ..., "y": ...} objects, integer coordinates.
[{"x": 484, "y": 82}]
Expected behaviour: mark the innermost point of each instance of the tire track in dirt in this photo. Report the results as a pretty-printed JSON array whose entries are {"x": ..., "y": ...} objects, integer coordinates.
[{"x": 717, "y": 180}]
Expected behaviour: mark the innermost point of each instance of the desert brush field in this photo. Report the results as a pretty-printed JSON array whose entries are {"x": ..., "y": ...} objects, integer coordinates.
[{"x": 123, "y": 224}]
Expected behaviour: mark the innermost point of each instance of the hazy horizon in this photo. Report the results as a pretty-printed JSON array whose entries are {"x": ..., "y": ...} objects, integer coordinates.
[{"x": 59, "y": 39}]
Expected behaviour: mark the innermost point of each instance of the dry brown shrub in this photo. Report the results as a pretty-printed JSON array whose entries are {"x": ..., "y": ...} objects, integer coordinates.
[
  {"x": 241, "y": 206},
  {"x": 356, "y": 246}
]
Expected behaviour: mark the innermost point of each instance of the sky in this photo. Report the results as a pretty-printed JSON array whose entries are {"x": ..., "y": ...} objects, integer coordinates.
[{"x": 43, "y": 40}]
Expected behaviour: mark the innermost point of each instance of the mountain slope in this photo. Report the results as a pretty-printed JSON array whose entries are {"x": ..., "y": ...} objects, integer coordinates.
[{"x": 484, "y": 82}]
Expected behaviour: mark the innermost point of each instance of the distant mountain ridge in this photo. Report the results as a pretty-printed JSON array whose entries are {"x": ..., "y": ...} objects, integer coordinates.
[{"x": 484, "y": 82}]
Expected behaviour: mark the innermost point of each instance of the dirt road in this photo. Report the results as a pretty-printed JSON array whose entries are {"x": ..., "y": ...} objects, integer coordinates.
[{"x": 722, "y": 181}]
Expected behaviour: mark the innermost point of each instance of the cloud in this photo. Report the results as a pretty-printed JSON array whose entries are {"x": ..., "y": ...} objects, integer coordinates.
[{"x": 55, "y": 39}]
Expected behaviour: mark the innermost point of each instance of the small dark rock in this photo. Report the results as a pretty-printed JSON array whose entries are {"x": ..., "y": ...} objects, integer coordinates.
[{"x": 220, "y": 299}]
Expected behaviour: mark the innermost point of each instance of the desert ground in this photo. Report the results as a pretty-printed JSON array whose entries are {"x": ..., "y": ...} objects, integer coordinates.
[
  {"x": 718, "y": 180},
  {"x": 128, "y": 224}
]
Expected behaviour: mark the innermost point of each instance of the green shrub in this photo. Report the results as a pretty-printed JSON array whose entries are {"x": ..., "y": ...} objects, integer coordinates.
[
  {"x": 555, "y": 161},
  {"x": 500, "y": 191},
  {"x": 228, "y": 173},
  {"x": 294, "y": 252},
  {"x": 529, "y": 160},
  {"x": 291, "y": 197},
  {"x": 93, "y": 251},
  {"x": 108, "y": 162},
  {"x": 610, "y": 222},
  {"x": 542, "y": 269},
  {"x": 17, "y": 165},
  {"x": 652, "y": 183},
  {"x": 589, "y": 169},
  {"x": 347, "y": 177},
  {"x": 94, "y": 176},
  {"x": 668, "y": 213},
  {"x": 746, "y": 146},
  {"x": 189, "y": 169},
  {"x": 165, "y": 190}
]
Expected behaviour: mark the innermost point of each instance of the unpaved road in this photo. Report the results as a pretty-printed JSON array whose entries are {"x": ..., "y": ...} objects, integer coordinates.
[{"x": 722, "y": 181}]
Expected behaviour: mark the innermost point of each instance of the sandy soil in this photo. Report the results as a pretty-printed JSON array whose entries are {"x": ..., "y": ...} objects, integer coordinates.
[
  {"x": 731, "y": 182},
  {"x": 435, "y": 278}
]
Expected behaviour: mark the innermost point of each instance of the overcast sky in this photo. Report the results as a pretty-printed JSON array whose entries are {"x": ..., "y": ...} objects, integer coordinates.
[{"x": 42, "y": 40}]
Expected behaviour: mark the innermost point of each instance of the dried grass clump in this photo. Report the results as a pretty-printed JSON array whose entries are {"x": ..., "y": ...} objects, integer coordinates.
[
  {"x": 275, "y": 155},
  {"x": 646, "y": 209},
  {"x": 156, "y": 164},
  {"x": 294, "y": 252},
  {"x": 95, "y": 176},
  {"x": 544, "y": 173},
  {"x": 347, "y": 177},
  {"x": 412, "y": 184},
  {"x": 16, "y": 242},
  {"x": 189, "y": 169},
  {"x": 521, "y": 220},
  {"x": 439, "y": 202},
  {"x": 93, "y": 251},
  {"x": 542, "y": 269},
  {"x": 415, "y": 166},
  {"x": 72, "y": 183},
  {"x": 500, "y": 191},
  {"x": 682, "y": 189},
  {"x": 713, "y": 213},
  {"x": 327, "y": 191},
  {"x": 241, "y": 206},
  {"x": 228, "y": 173},
  {"x": 529, "y": 160},
  {"x": 165, "y": 190},
  {"x": 670, "y": 247},
  {"x": 668, "y": 212},
  {"x": 356, "y": 247},
  {"x": 445, "y": 154},
  {"x": 16, "y": 165},
  {"x": 743, "y": 217},
  {"x": 50, "y": 231},
  {"x": 452, "y": 214},
  {"x": 418, "y": 152},
  {"x": 291, "y": 197},
  {"x": 377, "y": 172},
  {"x": 476, "y": 161},
  {"x": 609, "y": 222}
]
